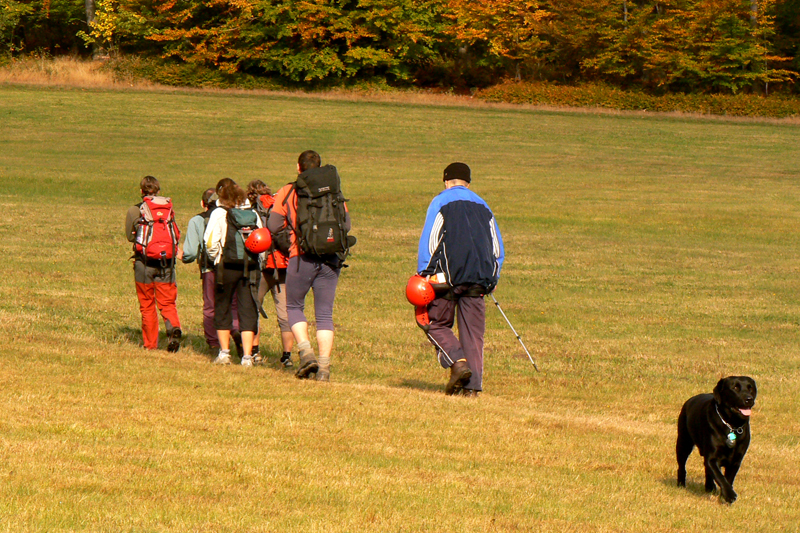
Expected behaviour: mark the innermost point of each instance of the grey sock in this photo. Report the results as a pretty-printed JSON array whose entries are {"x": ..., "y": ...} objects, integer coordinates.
[{"x": 304, "y": 348}]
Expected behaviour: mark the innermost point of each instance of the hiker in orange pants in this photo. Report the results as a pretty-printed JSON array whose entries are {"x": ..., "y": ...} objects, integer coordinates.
[
  {"x": 155, "y": 288},
  {"x": 150, "y": 226}
]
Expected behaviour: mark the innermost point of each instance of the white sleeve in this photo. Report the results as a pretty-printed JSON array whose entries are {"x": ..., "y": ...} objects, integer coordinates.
[{"x": 214, "y": 235}]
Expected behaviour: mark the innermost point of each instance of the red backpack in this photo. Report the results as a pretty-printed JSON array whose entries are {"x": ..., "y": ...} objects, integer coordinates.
[{"x": 157, "y": 235}]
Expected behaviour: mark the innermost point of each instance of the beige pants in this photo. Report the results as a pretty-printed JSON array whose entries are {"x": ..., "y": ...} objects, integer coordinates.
[{"x": 278, "y": 289}]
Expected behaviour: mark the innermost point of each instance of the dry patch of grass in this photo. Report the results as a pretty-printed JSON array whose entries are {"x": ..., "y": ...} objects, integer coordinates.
[
  {"x": 635, "y": 287},
  {"x": 64, "y": 72}
]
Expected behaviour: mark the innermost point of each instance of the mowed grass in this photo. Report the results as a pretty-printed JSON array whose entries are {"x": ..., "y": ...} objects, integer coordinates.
[{"x": 646, "y": 257}]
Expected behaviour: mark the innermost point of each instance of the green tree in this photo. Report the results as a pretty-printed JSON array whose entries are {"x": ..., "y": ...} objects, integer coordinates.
[
  {"x": 506, "y": 32},
  {"x": 11, "y": 13}
]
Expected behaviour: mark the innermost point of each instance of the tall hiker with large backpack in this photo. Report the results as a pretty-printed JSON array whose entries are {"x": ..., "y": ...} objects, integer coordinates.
[
  {"x": 311, "y": 223},
  {"x": 238, "y": 270},
  {"x": 150, "y": 226}
]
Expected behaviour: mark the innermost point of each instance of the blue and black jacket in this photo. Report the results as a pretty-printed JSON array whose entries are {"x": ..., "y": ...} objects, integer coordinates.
[{"x": 461, "y": 239}]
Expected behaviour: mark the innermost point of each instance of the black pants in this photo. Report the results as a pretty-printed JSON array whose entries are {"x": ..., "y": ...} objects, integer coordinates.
[{"x": 234, "y": 282}]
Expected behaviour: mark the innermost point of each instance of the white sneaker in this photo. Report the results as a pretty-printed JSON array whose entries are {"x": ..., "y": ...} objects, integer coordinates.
[
  {"x": 223, "y": 358},
  {"x": 247, "y": 360}
]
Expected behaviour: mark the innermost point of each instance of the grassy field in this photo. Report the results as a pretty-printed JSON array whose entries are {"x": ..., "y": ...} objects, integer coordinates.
[{"x": 647, "y": 257}]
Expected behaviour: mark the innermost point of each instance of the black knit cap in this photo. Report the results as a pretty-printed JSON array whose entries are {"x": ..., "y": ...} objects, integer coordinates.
[{"x": 457, "y": 171}]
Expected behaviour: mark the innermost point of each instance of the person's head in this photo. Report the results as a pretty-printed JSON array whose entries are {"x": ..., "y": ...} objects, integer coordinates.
[
  {"x": 308, "y": 159},
  {"x": 230, "y": 194},
  {"x": 206, "y": 200},
  {"x": 255, "y": 189},
  {"x": 457, "y": 174},
  {"x": 149, "y": 186}
]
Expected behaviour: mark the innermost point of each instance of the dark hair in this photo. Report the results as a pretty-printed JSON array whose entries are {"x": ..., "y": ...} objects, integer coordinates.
[
  {"x": 149, "y": 186},
  {"x": 255, "y": 189},
  {"x": 207, "y": 194},
  {"x": 230, "y": 194},
  {"x": 309, "y": 159}
]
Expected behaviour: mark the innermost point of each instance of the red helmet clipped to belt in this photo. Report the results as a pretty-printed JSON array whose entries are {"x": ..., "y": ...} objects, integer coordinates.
[
  {"x": 419, "y": 291},
  {"x": 259, "y": 241}
]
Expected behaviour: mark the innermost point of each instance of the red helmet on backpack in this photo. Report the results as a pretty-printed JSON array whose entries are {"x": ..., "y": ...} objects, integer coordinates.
[
  {"x": 419, "y": 291},
  {"x": 259, "y": 241}
]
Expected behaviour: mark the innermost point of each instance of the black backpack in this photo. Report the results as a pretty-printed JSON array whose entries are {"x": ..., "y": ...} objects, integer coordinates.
[{"x": 320, "y": 225}]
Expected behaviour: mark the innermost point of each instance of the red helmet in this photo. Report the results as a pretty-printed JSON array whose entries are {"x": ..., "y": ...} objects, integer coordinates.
[
  {"x": 259, "y": 241},
  {"x": 419, "y": 291}
]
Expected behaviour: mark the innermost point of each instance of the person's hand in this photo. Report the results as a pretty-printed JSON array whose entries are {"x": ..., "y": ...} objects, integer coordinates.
[{"x": 180, "y": 254}]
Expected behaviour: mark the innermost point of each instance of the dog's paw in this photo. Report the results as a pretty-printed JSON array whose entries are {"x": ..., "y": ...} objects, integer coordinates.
[{"x": 730, "y": 497}]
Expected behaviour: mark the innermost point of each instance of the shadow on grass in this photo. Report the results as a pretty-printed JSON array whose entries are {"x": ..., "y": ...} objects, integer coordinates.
[
  {"x": 693, "y": 487},
  {"x": 421, "y": 385}
]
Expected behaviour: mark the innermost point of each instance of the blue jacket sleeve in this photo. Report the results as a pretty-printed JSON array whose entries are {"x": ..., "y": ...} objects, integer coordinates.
[{"x": 431, "y": 233}]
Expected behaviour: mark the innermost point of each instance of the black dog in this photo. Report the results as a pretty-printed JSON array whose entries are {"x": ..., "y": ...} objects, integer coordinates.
[{"x": 719, "y": 425}]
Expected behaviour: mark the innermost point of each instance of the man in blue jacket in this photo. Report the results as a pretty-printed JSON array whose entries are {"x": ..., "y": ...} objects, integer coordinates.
[{"x": 461, "y": 252}]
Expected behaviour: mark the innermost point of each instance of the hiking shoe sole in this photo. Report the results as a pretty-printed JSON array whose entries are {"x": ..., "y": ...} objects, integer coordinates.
[
  {"x": 175, "y": 340},
  {"x": 305, "y": 371}
]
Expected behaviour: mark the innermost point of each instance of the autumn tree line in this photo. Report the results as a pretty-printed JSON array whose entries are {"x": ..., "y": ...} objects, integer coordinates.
[{"x": 664, "y": 46}]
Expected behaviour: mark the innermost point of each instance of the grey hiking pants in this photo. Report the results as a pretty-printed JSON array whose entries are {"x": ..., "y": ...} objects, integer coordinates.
[
  {"x": 471, "y": 313},
  {"x": 304, "y": 274}
]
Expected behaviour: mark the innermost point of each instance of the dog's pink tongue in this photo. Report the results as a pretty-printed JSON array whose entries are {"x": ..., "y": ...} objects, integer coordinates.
[{"x": 745, "y": 412}]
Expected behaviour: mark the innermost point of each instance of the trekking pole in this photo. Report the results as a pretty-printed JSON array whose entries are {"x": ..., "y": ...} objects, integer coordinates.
[{"x": 515, "y": 331}]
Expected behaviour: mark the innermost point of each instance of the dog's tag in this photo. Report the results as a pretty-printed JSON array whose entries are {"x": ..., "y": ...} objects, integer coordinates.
[{"x": 731, "y": 439}]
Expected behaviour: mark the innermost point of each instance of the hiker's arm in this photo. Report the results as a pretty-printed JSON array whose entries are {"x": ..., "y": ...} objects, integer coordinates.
[
  {"x": 276, "y": 222},
  {"x": 130, "y": 223},
  {"x": 194, "y": 237},
  {"x": 215, "y": 233}
]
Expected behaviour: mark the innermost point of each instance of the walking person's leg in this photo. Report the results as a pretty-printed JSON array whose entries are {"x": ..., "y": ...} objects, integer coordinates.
[
  {"x": 166, "y": 298},
  {"x": 248, "y": 318},
  {"x": 146, "y": 294},
  {"x": 278, "y": 290},
  {"x": 324, "y": 287},
  {"x": 223, "y": 313},
  {"x": 299, "y": 276},
  {"x": 448, "y": 348},
  {"x": 209, "y": 288},
  {"x": 471, "y": 330}
]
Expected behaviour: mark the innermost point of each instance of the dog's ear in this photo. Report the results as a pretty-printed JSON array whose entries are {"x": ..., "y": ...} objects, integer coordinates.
[{"x": 718, "y": 391}]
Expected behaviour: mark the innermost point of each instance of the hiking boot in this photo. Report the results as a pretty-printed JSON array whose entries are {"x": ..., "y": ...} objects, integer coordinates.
[
  {"x": 257, "y": 360},
  {"x": 223, "y": 358},
  {"x": 323, "y": 375},
  {"x": 470, "y": 393},
  {"x": 459, "y": 376},
  {"x": 286, "y": 360},
  {"x": 308, "y": 366},
  {"x": 247, "y": 360},
  {"x": 174, "y": 340}
]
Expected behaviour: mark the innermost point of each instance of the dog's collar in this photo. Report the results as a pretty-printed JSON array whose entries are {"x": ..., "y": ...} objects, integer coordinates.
[{"x": 733, "y": 431}]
